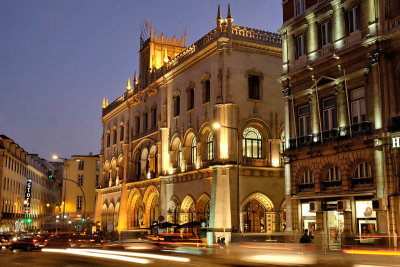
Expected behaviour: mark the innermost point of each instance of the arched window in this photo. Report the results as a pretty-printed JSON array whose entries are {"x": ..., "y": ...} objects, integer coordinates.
[
  {"x": 177, "y": 105},
  {"x": 194, "y": 151},
  {"x": 145, "y": 121},
  {"x": 307, "y": 177},
  {"x": 114, "y": 136},
  {"x": 179, "y": 155},
  {"x": 252, "y": 143},
  {"x": 362, "y": 171},
  {"x": 333, "y": 175},
  {"x": 210, "y": 146},
  {"x": 121, "y": 133},
  {"x": 137, "y": 124}
]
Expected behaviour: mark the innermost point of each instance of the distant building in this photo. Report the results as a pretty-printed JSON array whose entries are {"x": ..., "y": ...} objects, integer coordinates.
[
  {"x": 161, "y": 159},
  {"x": 27, "y": 196},
  {"x": 82, "y": 171},
  {"x": 341, "y": 80}
]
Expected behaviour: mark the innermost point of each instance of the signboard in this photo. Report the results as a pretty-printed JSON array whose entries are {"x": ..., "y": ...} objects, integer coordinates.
[
  {"x": 396, "y": 142},
  {"x": 28, "y": 195},
  {"x": 329, "y": 207}
]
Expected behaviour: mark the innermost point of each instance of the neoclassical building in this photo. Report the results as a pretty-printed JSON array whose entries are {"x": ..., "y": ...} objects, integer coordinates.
[
  {"x": 341, "y": 86},
  {"x": 161, "y": 157}
]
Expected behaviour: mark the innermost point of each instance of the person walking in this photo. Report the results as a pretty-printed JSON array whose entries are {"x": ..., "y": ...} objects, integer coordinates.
[{"x": 305, "y": 238}]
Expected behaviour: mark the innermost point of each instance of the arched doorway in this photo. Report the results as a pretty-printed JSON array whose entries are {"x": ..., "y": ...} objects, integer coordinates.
[
  {"x": 257, "y": 215},
  {"x": 104, "y": 217},
  {"x": 173, "y": 211},
  {"x": 188, "y": 210},
  {"x": 203, "y": 208},
  {"x": 110, "y": 218},
  {"x": 150, "y": 200},
  {"x": 135, "y": 209}
]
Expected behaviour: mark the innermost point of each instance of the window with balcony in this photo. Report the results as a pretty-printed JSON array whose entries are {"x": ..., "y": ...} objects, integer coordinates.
[
  {"x": 353, "y": 18},
  {"x": 304, "y": 120},
  {"x": 177, "y": 105},
  {"x": 210, "y": 146},
  {"x": 325, "y": 33},
  {"x": 300, "y": 7},
  {"x": 254, "y": 87},
  {"x": 358, "y": 108},
  {"x": 193, "y": 151},
  {"x": 190, "y": 99},
  {"x": 252, "y": 143},
  {"x": 329, "y": 113},
  {"x": 301, "y": 46}
]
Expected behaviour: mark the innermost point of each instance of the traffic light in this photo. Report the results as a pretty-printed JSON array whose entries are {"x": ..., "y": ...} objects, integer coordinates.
[
  {"x": 29, "y": 220},
  {"x": 50, "y": 174},
  {"x": 83, "y": 219}
]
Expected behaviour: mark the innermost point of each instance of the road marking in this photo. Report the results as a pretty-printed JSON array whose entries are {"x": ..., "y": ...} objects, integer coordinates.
[
  {"x": 141, "y": 255},
  {"x": 97, "y": 255}
]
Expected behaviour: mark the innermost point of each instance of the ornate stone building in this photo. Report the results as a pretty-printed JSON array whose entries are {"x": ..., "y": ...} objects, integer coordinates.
[
  {"x": 341, "y": 87},
  {"x": 160, "y": 154}
]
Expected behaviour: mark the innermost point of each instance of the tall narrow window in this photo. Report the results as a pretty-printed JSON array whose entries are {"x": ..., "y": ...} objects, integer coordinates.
[
  {"x": 210, "y": 146},
  {"x": 145, "y": 120},
  {"x": 79, "y": 203},
  {"x": 80, "y": 179},
  {"x": 252, "y": 143},
  {"x": 304, "y": 120},
  {"x": 121, "y": 133},
  {"x": 114, "y": 136},
  {"x": 300, "y": 7},
  {"x": 329, "y": 113},
  {"x": 137, "y": 124},
  {"x": 81, "y": 165},
  {"x": 179, "y": 160},
  {"x": 254, "y": 87},
  {"x": 108, "y": 139},
  {"x": 325, "y": 32},
  {"x": 362, "y": 170},
  {"x": 97, "y": 181},
  {"x": 207, "y": 91},
  {"x": 154, "y": 116},
  {"x": 97, "y": 165},
  {"x": 177, "y": 105},
  {"x": 307, "y": 177},
  {"x": 333, "y": 175},
  {"x": 300, "y": 46},
  {"x": 353, "y": 17},
  {"x": 358, "y": 110},
  {"x": 194, "y": 151},
  {"x": 190, "y": 99}
]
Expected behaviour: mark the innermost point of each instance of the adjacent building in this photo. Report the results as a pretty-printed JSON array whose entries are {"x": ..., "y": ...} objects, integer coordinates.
[
  {"x": 162, "y": 159},
  {"x": 79, "y": 182},
  {"x": 27, "y": 195},
  {"x": 341, "y": 85}
]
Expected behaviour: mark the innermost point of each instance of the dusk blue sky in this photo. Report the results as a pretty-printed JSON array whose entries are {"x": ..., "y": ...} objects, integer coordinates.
[{"x": 59, "y": 58}]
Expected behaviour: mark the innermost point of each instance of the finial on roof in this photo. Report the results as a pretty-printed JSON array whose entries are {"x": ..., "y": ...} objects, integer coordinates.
[
  {"x": 104, "y": 102},
  {"x": 219, "y": 18},
  {"x": 229, "y": 17},
  {"x": 107, "y": 102},
  {"x": 219, "y": 13},
  {"x": 185, "y": 38},
  {"x": 135, "y": 81},
  {"x": 128, "y": 85}
]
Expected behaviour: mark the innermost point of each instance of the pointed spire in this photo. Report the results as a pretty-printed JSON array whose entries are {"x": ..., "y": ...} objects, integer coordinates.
[
  {"x": 219, "y": 18},
  {"x": 185, "y": 37},
  {"x": 104, "y": 102},
  {"x": 107, "y": 102},
  {"x": 128, "y": 85},
  {"x": 229, "y": 12},
  {"x": 135, "y": 81},
  {"x": 219, "y": 13}
]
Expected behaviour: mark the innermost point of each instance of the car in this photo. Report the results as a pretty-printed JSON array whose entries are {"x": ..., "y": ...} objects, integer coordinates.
[
  {"x": 4, "y": 240},
  {"x": 26, "y": 242}
]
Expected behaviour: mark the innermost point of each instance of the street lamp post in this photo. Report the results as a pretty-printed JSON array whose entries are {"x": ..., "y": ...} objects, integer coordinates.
[
  {"x": 217, "y": 126},
  {"x": 65, "y": 188}
]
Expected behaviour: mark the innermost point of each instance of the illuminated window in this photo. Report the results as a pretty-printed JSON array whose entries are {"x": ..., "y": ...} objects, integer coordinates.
[
  {"x": 333, "y": 175},
  {"x": 179, "y": 155},
  {"x": 210, "y": 146},
  {"x": 307, "y": 177},
  {"x": 194, "y": 151},
  {"x": 252, "y": 143},
  {"x": 80, "y": 179},
  {"x": 300, "y": 46}
]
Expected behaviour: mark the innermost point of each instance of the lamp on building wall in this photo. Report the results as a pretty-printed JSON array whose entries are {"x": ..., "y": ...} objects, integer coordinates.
[{"x": 218, "y": 126}]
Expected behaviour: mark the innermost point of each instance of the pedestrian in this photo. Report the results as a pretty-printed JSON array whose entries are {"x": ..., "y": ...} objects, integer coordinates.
[{"x": 305, "y": 238}]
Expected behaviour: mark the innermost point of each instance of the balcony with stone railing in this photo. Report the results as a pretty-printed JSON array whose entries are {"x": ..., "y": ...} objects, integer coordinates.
[
  {"x": 353, "y": 38},
  {"x": 392, "y": 25},
  {"x": 362, "y": 182},
  {"x": 254, "y": 162}
]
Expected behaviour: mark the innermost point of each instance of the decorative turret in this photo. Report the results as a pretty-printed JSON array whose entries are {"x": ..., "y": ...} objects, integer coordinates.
[
  {"x": 229, "y": 18},
  {"x": 184, "y": 39},
  {"x": 104, "y": 103},
  {"x": 128, "y": 85},
  {"x": 219, "y": 17}
]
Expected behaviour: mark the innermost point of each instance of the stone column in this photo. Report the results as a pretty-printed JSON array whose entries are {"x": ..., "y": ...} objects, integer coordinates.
[
  {"x": 314, "y": 117},
  {"x": 381, "y": 192},
  {"x": 123, "y": 206},
  {"x": 312, "y": 37},
  {"x": 341, "y": 107},
  {"x": 374, "y": 91},
  {"x": 338, "y": 25}
]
